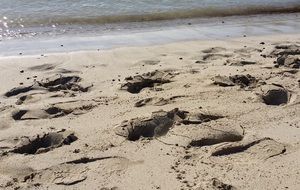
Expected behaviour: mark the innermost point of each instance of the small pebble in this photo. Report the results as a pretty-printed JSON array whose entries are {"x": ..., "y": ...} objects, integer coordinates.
[{"x": 76, "y": 151}]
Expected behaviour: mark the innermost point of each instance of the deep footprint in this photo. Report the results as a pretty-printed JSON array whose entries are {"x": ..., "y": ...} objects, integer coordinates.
[
  {"x": 56, "y": 83},
  {"x": 135, "y": 84},
  {"x": 44, "y": 143},
  {"x": 159, "y": 123}
]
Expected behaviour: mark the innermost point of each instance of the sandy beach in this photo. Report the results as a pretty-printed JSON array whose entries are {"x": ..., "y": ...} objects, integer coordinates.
[{"x": 186, "y": 115}]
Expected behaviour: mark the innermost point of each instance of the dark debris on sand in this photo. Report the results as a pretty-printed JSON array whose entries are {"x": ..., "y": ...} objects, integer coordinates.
[
  {"x": 240, "y": 80},
  {"x": 275, "y": 95},
  {"x": 287, "y": 56}
]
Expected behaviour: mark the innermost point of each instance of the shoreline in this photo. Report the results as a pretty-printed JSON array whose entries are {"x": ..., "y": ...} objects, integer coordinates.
[
  {"x": 58, "y": 52},
  {"x": 187, "y": 30}
]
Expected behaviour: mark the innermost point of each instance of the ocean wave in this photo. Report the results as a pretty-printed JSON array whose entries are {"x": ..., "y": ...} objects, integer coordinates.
[{"x": 159, "y": 16}]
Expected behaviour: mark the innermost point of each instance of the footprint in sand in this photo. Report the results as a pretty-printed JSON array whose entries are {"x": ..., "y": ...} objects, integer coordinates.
[
  {"x": 155, "y": 101},
  {"x": 148, "y": 62},
  {"x": 42, "y": 143},
  {"x": 137, "y": 83},
  {"x": 260, "y": 149},
  {"x": 216, "y": 184},
  {"x": 74, "y": 171},
  {"x": 232, "y": 62},
  {"x": 215, "y": 56},
  {"x": 212, "y": 54},
  {"x": 246, "y": 50},
  {"x": 160, "y": 123},
  {"x": 240, "y": 80},
  {"x": 55, "y": 110},
  {"x": 214, "y": 50},
  {"x": 53, "y": 84},
  {"x": 216, "y": 131},
  {"x": 28, "y": 99},
  {"x": 285, "y": 49},
  {"x": 286, "y": 55},
  {"x": 43, "y": 67}
]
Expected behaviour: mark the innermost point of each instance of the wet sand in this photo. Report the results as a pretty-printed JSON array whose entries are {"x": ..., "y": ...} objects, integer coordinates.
[{"x": 187, "y": 115}]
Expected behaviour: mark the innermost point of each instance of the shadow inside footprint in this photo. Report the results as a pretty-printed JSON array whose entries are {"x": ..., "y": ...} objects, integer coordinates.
[
  {"x": 216, "y": 137},
  {"x": 159, "y": 123},
  {"x": 263, "y": 148},
  {"x": 147, "y": 80},
  {"x": 44, "y": 143},
  {"x": 52, "y": 112},
  {"x": 19, "y": 90},
  {"x": 56, "y": 83}
]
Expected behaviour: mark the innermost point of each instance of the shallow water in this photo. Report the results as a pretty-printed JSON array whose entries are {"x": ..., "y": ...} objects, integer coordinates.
[
  {"x": 210, "y": 29},
  {"x": 32, "y": 18}
]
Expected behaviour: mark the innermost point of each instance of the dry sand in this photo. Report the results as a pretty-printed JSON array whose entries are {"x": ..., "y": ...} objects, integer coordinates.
[{"x": 188, "y": 115}]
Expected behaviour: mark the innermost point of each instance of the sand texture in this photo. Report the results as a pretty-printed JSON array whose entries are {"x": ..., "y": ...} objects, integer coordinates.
[{"x": 201, "y": 115}]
